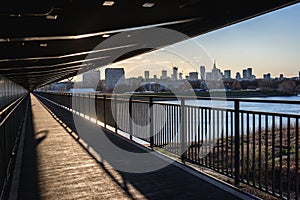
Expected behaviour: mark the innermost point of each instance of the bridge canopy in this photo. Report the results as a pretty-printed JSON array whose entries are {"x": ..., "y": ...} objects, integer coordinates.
[{"x": 46, "y": 41}]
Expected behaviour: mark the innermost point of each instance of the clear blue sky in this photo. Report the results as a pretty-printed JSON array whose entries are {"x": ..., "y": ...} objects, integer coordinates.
[{"x": 269, "y": 43}]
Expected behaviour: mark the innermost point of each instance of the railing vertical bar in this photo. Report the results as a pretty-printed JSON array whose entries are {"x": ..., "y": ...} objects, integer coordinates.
[
  {"x": 259, "y": 152},
  {"x": 90, "y": 117},
  {"x": 210, "y": 137},
  {"x": 222, "y": 140},
  {"x": 182, "y": 132},
  {"x": 177, "y": 130},
  {"x": 242, "y": 146},
  {"x": 174, "y": 119},
  {"x": 189, "y": 133},
  {"x": 297, "y": 160},
  {"x": 174, "y": 138},
  {"x": 266, "y": 150},
  {"x": 212, "y": 144},
  {"x": 199, "y": 136},
  {"x": 218, "y": 139},
  {"x": 193, "y": 134},
  {"x": 248, "y": 150},
  {"x": 253, "y": 150},
  {"x": 273, "y": 155},
  {"x": 288, "y": 156},
  {"x": 167, "y": 126},
  {"x": 232, "y": 143},
  {"x": 104, "y": 110},
  {"x": 206, "y": 137},
  {"x": 237, "y": 142},
  {"x": 227, "y": 138},
  {"x": 115, "y": 114},
  {"x": 131, "y": 121},
  {"x": 280, "y": 158}
]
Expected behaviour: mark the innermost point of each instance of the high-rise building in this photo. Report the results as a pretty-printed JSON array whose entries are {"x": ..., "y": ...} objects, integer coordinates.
[
  {"x": 112, "y": 77},
  {"x": 249, "y": 73},
  {"x": 147, "y": 75},
  {"x": 164, "y": 74},
  {"x": 281, "y": 77},
  {"x": 245, "y": 74},
  {"x": 202, "y": 72},
  {"x": 216, "y": 73},
  {"x": 193, "y": 76},
  {"x": 180, "y": 76},
  {"x": 227, "y": 74},
  {"x": 267, "y": 76},
  {"x": 91, "y": 78},
  {"x": 175, "y": 72},
  {"x": 238, "y": 76},
  {"x": 208, "y": 76}
]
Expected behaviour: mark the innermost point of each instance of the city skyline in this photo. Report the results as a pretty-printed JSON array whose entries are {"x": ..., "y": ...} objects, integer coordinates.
[{"x": 268, "y": 43}]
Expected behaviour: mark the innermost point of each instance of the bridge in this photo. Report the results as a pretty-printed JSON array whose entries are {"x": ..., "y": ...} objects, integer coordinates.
[{"x": 71, "y": 146}]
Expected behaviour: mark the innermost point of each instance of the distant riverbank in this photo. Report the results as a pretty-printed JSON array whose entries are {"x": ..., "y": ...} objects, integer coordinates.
[
  {"x": 229, "y": 94},
  {"x": 245, "y": 94}
]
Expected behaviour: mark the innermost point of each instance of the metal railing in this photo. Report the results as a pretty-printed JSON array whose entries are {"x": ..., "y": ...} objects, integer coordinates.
[
  {"x": 257, "y": 148},
  {"x": 11, "y": 120}
]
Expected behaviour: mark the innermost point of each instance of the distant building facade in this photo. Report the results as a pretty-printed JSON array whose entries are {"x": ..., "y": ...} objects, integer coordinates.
[
  {"x": 164, "y": 74},
  {"x": 245, "y": 74},
  {"x": 267, "y": 76},
  {"x": 112, "y": 77},
  {"x": 238, "y": 76},
  {"x": 147, "y": 75},
  {"x": 193, "y": 76},
  {"x": 202, "y": 72},
  {"x": 208, "y": 76},
  {"x": 91, "y": 78},
  {"x": 175, "y": 72},
  {"x": 227, "y": 74}
]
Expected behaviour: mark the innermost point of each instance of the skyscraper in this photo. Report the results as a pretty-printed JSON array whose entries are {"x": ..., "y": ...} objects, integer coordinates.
[
  {"x": 208, "y": 76},
  {"x": 112, "y": 77},
  {"x": 175, "y": 72},
  {"x": 147, "y": 75},
  {"x": 227, "y": 74},
  {"x": 202, "y": 72},
  {"x": 267, "y": 76},
  {"x": 245, "y": 74},
  {"x": 216, "y": 73},
  {"x": 238, "y": 76},
  {"x": 281, "y": 77},
  {"x": 193, "y": 76},
  {"x": 91, "y": 78},
  {"x": 180, "y": 76},
  {"x": 249, "y": 73},
  {"x": 163, "y": 74}
]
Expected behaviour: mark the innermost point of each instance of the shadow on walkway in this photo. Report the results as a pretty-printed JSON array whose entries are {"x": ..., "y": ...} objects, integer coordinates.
[{"x": 28, "y": 185}]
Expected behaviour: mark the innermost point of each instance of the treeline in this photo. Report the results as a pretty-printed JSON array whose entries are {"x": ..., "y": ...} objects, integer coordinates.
[{"x": 286, "y": 86}]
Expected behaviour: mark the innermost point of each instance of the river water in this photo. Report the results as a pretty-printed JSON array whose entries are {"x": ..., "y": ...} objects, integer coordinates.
[
  {"x": 248, "y": 122},
  {"x": 251, "y": 106}
]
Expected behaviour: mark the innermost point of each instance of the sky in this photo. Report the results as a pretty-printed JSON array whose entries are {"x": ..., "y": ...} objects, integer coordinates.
[{"x": 269, "y": 43}]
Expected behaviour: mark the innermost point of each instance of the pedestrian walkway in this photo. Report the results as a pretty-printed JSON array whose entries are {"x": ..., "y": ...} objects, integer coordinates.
[{"x": 56, "y": 166}]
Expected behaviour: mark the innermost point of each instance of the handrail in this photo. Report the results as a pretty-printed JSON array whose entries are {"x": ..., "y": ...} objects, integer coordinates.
[
  {"x": 18, "y": 102},
  {"x": 185, "y": 97},
  {"x": 10, "y": 105}
]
